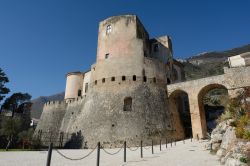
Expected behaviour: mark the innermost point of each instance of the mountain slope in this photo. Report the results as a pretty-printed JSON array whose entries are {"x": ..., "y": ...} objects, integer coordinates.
[
  {"x": 210, "y": 63},
  {"x": 216, "y": 56},
  {"x": 38, "y": 103}
]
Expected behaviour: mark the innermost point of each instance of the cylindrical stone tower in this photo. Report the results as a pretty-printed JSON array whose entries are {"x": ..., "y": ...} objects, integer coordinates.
[{"x": 74, "y": 83}]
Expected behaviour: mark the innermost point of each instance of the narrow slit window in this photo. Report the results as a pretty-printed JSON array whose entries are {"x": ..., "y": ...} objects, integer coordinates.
[
  {"x": 112, "y": 78},
  {"x": 95, "y": 82},
  {"x": 103, "y": 80},
  {"x": 156, "y": 48},
  {"x": 79, "y": 93},
  {"x": 123, "y": 78},
  {"x": 134, "y": 77},
  {"x": 145, "y": 79},
  {"x": 86, "y": 87},
  {"x": 154, "y": 80}
]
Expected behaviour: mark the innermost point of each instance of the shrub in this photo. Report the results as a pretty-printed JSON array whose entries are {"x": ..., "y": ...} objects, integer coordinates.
[
  {"x": 246, "y": 134},
  {"x": 226, "y": 115},
  {"x": 244, "y": 120},
  {"x": 243, "y": 159},
  {"x": 239, "y": 132}
]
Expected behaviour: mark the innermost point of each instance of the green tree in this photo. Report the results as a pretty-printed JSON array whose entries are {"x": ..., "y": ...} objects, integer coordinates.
[
  {"x": 3, "y": 80},
  {"x": 10, "y": 128},
  {"x": 17, "y": 102}
]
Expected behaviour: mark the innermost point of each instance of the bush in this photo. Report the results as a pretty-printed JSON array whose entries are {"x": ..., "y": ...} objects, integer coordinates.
[
  {"x": 246, "y": 135},
  {"x": 243, "y": 159},
  {"x": 243, "y": 121},
  {"x": 239, "y": 131},
  {"x": 226, "y": 115}
]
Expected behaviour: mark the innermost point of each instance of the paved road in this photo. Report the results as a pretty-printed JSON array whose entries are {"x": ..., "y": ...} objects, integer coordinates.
[{"x": 188, "y": 154}]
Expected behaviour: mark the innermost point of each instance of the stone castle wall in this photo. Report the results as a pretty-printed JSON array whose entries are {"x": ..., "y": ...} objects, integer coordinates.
[{"x": 100, "y": 115}]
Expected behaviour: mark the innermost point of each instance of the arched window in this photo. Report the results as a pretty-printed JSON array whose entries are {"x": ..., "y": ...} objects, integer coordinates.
[
  {"x": 108, "y": 29},
  {"x": 134, "y": 77},
  {"x": 127, "y": 104}
]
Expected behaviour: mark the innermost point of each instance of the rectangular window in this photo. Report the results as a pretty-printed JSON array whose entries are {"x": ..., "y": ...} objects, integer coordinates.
[
  {"x": 156, "y": 48},
  {"x": 107, "y": 56}
]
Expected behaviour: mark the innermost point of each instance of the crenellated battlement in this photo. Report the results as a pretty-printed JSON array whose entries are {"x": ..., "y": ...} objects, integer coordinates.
[{"x": 64, "y": 102}]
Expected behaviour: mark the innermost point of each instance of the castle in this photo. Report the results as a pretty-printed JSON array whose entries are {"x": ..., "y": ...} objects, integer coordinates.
[
  {"x": 126, "y": 94},
  {"x": 123, "y": 96}
]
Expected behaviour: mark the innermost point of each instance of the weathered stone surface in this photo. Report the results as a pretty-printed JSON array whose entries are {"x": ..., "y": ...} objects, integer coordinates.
[
  {"x": 221, "y": 152},
  {"x": 216, "y": 138},
  {"x": 215, "y": 146},
  {"x": 228, "y": 138},
  {"x": 234, "y": 162}
]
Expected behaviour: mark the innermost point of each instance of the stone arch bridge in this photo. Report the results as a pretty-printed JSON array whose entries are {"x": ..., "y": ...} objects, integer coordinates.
[{"x": 233, "y": 79}]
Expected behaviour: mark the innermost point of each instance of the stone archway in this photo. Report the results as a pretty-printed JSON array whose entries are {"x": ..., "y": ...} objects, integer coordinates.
[
  {"x": 203, "y": 91},
  {"x": 179, "y": 106}
]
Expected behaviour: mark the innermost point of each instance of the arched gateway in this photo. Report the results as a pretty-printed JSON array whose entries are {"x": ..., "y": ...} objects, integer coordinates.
[{"x": 233, "y": 80}]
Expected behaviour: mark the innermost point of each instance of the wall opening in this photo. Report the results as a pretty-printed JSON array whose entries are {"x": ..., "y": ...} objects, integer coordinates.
[
  {"x": 154, "y": 80},
  {"x": 212, "y": 101},
  {"x": 144, "y": 79},
  {"x": 95, "y": 82},
  {"x": 107, "y": 56},
  {"x": 86, "y": 87},
  {"x": 127, "y": 104},
  {"x": 112, "y": 78},
  {"x": 108, "y": 29},
  {"x": 168, "y": 81},
  {"x": 134, "y": 77},
  {"x": 156, "y": 47},
  {"x": 79, "y": 93},
  {"x": 103, "y": 80},
  {"x": 179, "y": 104},
  {"x": 123, "y": 78}
]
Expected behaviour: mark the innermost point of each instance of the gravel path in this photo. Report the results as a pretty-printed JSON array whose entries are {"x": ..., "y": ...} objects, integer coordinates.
[{"x": 188, "y": 154}]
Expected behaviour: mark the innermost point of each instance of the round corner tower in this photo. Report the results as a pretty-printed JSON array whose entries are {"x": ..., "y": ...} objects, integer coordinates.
[{"x": 74, "y": 81}]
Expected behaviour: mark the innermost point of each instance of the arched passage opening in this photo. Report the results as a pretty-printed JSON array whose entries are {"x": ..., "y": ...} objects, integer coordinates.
[
  {"x": 212, "y": 100},
  {"x": 179, "y": 106}
]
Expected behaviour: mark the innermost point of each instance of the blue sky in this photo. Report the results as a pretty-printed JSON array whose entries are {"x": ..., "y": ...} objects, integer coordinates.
[{"x": 42, "y": 40}]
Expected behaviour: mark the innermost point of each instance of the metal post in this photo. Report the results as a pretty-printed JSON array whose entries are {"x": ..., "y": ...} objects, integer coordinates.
[
  {"x": 141, "y": 150},
  {"x": 175, "y": 142},
  {"x": 160, "y": 144},
  {"x": 49, "y": 154},
  {"x": 62, "y": 139},
  {"x": 191, "y": 139},
  {"x": 166, "y": 143},
  {"x": 183, "y": 141},
  {"x": 152, "y": 147},
  {"x": 98, "y": 154},
  {"x": 125, "y": 151},
  {"x": 197, "y": 137},
  {"x": 171, "y": 142},
  {"x": 50, "y": 139}
]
